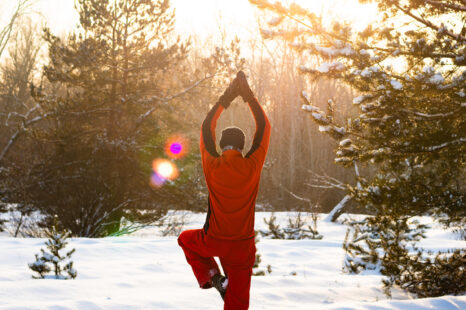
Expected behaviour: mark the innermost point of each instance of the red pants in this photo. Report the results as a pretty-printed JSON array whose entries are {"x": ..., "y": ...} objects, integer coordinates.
[{"x": 236, "y": 256}]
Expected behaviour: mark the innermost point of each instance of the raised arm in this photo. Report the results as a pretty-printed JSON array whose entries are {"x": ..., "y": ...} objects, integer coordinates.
[
  {"x": 260, "y": 143},
  {"x": 208, "y": 149}
]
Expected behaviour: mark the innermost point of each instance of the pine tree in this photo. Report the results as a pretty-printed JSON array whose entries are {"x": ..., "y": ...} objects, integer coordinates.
[
  {"x": 55, "y": 243},
  {"x": 411, "y": 125},
  {"x": 275, "y": 232},
  {"x": 112, "y": 77}
]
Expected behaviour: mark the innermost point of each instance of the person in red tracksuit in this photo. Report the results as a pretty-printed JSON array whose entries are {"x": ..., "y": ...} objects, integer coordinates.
[{"x": 233, "y": 183}]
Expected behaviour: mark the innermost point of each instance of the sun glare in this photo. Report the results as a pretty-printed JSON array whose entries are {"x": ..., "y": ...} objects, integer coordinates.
[
  {"x": 219, "y": 20},
  {"x": 165, "y": 170},
  {"x": 351, "y": 11}
]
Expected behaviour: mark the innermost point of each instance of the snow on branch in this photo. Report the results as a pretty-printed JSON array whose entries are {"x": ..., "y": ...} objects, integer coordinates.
[
  {"x": 443, "y": 4},
  {"x": 431, "y": 116},
  {"x": 429, "y": 24},
  {"x": 324, "y": 68},
  {"x": 443, "y": 145},
  {"x": 24, "y": 125},
  {"x": 337, "y": 210}
]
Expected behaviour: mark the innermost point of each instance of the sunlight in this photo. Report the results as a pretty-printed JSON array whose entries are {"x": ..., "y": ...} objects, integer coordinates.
[
  {"x": 165, "y": 169},
  {"x": 219, "y": 20},
  {"x": 226, "y": 19},
  {"x": 351, "y": 11}
]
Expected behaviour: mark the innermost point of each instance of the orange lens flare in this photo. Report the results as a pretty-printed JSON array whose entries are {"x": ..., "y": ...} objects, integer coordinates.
[
  {"x": 176, "y": 147},
  {"x": 162, "y": 171}
]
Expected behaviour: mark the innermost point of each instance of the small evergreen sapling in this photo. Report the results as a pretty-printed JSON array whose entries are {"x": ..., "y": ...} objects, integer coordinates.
[
  {"x": 55, "y": 243},
  {"x": 275, "y": 232},
  {"x": 3, "y": 209},
  {"x": 295, "y": 230},
  {"x": 258, "y": 260}
]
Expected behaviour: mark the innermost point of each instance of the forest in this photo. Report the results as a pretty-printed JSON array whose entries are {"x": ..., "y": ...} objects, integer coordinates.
[
  {"x": 78, "y": 139},
  {"x": 367, "y": 121}
]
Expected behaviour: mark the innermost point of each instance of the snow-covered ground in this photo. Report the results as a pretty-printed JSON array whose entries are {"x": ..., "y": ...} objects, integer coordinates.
[{"x": 147, "y": 271}]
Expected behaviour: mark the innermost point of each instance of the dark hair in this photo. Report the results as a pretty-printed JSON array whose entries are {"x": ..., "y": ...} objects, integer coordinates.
[{"x": 232, "y": 136}]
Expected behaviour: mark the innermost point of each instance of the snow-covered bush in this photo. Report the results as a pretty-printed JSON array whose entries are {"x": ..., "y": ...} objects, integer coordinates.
[
  {"x": 55, "y": 243},
  {"x": 383, "y": 243}
]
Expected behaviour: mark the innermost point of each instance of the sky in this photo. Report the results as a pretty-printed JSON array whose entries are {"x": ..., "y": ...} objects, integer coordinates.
[
  {"x": 213, "y": 18},
  {"x": 207, "y": 22}
]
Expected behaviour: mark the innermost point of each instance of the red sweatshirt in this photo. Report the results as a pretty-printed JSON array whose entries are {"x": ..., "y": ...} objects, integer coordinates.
[{"x": 233, "y": 180}]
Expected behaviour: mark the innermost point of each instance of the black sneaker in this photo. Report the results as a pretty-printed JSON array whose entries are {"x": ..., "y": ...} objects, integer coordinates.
[
  {"x": 220, "y": 283},
  {"x": 244, "y": 90}
]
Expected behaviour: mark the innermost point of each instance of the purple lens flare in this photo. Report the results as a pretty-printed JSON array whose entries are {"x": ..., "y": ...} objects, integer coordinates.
[{"x": 176, "y": 148}]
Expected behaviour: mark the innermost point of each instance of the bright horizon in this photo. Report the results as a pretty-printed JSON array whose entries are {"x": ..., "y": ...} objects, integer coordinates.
[{"x": 214, "y": 19}]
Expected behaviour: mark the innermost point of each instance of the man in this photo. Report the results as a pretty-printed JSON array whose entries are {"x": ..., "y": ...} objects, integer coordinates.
[{"x": 233, "y": 183}]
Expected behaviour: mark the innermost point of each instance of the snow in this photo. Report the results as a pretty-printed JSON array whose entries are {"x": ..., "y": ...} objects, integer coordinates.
[
  {"x": 325, "y": 128},
  {"x": 428, "y": 70},
  {"x": 310, "y": 108},
  {"x": 306, "y": 95},
  {"x": 345, "y": 142},
  {"x": 340, "y": 130},
  {"x": 340, "y": 205},
  {"x": 396, "y": 84},
  {"x": 366, "y": 73},
  {"x": 275, "y": 21},
  {"x": 148, "y": 271},
  {"x": 358, "y": 99},
  {"x": 331, "y": 52},
  {"x": 436, "y": 79},
  {"x": 319, "y": 117},
  {"x": 326, "y": 67}
]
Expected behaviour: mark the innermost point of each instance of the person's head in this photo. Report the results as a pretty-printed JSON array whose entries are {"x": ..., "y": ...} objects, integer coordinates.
[{"x": 232, "y": 136}]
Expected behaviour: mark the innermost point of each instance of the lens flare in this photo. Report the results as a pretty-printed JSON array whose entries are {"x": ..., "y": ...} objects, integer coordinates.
[
  {"x": 163, "y": 170},
  {"x": 156, "y": 180},
  {"x": 176, "y": 147}
]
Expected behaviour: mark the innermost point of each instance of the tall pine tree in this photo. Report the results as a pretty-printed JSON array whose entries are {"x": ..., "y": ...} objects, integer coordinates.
[
  {"x": 408, "y": 69},
  {"x": 113, "y": 77}
]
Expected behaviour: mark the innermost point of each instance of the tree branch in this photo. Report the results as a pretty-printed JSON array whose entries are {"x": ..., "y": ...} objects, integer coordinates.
[
  {"x": 448, "y": 5},
  {"x": 429, "y": 24},
  {"x": 142, "y": 117},
  {"x": 325, "y": 181}
]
